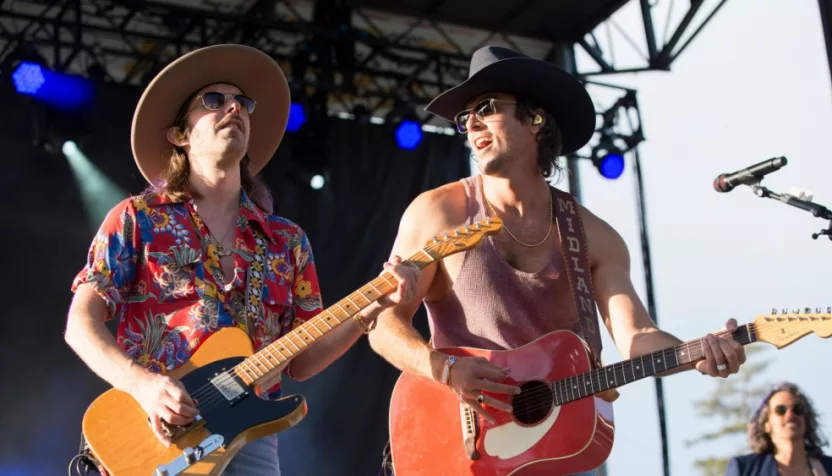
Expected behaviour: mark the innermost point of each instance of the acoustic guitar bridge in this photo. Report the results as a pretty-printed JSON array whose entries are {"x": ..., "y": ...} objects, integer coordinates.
[
  {"x": 190, "y": 456},
  {"x": 468, "y": 418}
]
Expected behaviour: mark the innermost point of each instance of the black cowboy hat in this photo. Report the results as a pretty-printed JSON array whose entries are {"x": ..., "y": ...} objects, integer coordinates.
[{"x": 498, "y": 69}]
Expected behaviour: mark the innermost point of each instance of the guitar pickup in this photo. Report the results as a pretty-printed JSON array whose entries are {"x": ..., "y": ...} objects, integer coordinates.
[
  {"x": 468, "y": 418},
  {"x": 190, "y": 456}
]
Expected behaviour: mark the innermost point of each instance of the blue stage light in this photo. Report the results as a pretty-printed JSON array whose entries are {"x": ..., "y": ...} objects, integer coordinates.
[
  {"x": 611, "y": 165},
  {"x": 56, "y": 89},
  {"x": 408, "y": 134},
  {"x": 297, "y": 117}
]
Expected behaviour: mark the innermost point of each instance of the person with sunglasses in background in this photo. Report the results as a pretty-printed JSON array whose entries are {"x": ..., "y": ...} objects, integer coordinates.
[
  {"x": 177, "y": 263},
  {"x": 784, "y": 437}
]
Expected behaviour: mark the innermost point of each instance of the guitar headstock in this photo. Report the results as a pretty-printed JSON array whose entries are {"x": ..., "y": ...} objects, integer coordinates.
[
  {"x": 783, "y": 328},
  {"x": 463, "y": 238}
]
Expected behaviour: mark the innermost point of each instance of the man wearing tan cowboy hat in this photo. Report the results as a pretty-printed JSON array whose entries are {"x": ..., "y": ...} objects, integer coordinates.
[
  {"x": 519, "y": 115},
  {"x": 172, "y": 264}
]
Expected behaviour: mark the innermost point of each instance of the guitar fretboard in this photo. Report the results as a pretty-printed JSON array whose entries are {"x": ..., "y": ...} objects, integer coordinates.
[{"x": 648, "y": 365}]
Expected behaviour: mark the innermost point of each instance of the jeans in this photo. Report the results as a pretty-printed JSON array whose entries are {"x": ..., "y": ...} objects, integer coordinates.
[{"x": 258, "y": 458}]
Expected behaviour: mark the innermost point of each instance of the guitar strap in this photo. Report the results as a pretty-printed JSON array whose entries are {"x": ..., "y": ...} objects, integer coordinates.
[
  {"x": 254, "y": 280},
  {"x": 575, "y": 252}
]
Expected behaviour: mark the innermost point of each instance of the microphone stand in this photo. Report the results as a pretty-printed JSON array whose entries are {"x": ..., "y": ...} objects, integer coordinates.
[{"x": 816, "y": 210}]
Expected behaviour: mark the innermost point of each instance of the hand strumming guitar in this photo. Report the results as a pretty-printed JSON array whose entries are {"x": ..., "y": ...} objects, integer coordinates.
[
  {"x": 164, "y": 398},
  {"x": 469, "y": 376}
]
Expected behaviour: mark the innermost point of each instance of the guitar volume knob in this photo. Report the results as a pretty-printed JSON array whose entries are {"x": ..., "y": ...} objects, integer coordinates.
[{"x": 189, "y": 455}]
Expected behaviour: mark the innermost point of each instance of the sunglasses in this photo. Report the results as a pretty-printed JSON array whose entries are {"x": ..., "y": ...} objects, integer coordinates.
[
  {"x": 798, "y": 408},
  {"x": 481, "y": 110},
  {"x": 214, "y": 101}
]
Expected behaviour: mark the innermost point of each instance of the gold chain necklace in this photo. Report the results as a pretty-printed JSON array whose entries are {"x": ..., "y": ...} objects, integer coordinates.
[{"x": 494, "y": 212}]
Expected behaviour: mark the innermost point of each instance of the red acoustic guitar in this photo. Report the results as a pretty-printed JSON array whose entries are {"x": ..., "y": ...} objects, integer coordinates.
[{"x": 559, "y": 424}]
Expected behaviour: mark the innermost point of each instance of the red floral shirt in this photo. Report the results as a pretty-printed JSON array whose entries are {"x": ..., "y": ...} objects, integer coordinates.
[{"x": 160, "y": 277}]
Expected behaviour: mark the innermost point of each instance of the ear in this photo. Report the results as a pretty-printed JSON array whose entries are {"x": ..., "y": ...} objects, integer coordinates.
[{"x": 176, "y": 137}]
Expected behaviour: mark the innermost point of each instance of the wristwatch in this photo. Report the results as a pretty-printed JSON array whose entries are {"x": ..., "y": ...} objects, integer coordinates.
[{"x": 446, "y": 372}]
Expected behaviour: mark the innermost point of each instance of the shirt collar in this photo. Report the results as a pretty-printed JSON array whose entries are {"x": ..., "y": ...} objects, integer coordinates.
[{"x": 248, "y": 209}]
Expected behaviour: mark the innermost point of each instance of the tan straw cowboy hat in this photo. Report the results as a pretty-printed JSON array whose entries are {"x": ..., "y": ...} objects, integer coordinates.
[{"x": 253, "y": 71}]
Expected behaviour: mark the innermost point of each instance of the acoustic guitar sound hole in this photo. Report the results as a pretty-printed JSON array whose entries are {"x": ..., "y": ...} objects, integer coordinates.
[{"x": 533, "y": 403}]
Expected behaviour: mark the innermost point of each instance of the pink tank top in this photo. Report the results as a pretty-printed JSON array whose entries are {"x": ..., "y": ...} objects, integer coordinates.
[{"x": 494, "y": 306}]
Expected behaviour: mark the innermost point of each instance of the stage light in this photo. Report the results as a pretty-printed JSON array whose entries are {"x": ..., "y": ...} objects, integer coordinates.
[
  {"x": 611, "y": 165},
  {"x": 60, "y": 90},
  {"x": 608, "y": 158},
  {"x": 70, "y": 148},
  {"x": 317, "y": 182},
  {"x": 408, "y": 134},
  {"x": 297, "y": 117}
]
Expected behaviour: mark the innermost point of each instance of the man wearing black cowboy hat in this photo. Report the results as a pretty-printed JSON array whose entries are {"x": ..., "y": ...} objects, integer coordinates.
[{"x": 519, "y": 115}]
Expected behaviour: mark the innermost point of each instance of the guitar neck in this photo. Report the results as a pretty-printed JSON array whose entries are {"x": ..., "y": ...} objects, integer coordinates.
[
  {"x": 299, "y": 339},
  {"x": 637, "y": 368}
]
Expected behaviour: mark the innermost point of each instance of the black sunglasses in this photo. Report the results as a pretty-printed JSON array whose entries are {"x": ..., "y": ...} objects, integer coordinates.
[
  {"x": 798, "y": 408},
  {"x": 213, "y": 100},
  {"x": 482, "y": 110}
]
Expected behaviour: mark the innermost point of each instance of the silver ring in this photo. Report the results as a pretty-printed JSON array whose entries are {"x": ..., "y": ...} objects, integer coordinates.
[
  {"x": 721, "y": 366},
  {"x": 480, "y": 398}
]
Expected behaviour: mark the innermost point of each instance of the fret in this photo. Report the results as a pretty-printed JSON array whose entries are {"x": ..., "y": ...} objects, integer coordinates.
[
  {"x": 250, "y": 369},
  {"x": 289, "y": 340},
  {"x": 324, "y": 321},
  {"x": 280, "y": 350},
  {"x": 658, "y": 359},
  {"x": 333, "y": 315},
  {"x": 748, "y": 330},
  {"x": 369, "y": 301},
  {"x": 376, "y": 289},
  {"x": 427, "y": 254},
  {"x": 623, "y": 374},
  {"x": 588, "y": 383},
  {"x": 573, "y": 384},
  {"x": 269, "y": 351},
  {"x": 242, "y": 367},
  {"x": 342, "y": 309},
  {"x": 608, "y": 382},
  {"x": 353, "y": 303},
  {"x": 312, "y": 323},
  {"x": 300, "y": 334},
  {"x": 654, "y": 367},
  {"x": 259, "y": 363}
]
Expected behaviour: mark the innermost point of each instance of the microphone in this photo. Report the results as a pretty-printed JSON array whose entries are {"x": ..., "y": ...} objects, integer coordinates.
[{"x": 749, "y": 175}]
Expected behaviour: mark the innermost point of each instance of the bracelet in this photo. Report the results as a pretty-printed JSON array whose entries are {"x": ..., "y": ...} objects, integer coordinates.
[
  {"x": 446, "y": 372},
  {"x": 364, "y": 326}
]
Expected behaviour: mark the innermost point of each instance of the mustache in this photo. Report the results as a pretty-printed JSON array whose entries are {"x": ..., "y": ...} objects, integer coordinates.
[{"x": 230, "y": 120}]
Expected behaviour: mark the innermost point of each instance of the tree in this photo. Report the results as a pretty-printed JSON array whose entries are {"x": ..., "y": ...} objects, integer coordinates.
[{"x": 731, "y": 403}]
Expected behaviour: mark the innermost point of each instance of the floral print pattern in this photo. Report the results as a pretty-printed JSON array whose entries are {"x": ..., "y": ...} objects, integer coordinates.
[{"x": 161, "y": 278}]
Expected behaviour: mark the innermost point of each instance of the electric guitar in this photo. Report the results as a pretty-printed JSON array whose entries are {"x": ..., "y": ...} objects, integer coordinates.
[
  {"x": 225, "y": 375},
  {"x": 562, "y": 421}
]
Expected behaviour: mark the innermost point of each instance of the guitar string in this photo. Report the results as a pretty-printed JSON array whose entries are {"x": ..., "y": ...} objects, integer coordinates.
[
  {"x": 543, "y": 397},
  {"x": 209, "y": 394}
]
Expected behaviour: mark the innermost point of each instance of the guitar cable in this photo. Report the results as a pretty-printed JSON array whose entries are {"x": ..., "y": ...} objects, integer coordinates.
[{"x": 90, "y": 465}]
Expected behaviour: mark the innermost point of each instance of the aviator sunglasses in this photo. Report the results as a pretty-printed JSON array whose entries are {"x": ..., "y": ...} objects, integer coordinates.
[
  {"x": 214, "y": 101},
  {"x": 482, "y": 109},
  {"x": 798, "y": 408}
]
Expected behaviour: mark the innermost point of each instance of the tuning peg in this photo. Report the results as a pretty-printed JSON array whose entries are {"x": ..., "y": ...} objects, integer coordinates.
[
  {"x": 774, "y": 311},
  {"x": 807, "y": 310},
  {"x": 785, "y": 310},
  {"x": 447, "y": 236},
  {"x": 796, "y": 310},
  {"x": 829, "y": 310},
  {"x": 467, "y": 229}
]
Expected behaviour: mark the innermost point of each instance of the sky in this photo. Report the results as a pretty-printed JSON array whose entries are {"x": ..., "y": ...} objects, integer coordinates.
[{"x": 754, "y": 84}]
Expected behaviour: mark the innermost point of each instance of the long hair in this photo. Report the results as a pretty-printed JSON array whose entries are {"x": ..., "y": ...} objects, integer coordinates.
[
  {"x": 549, "y": 137},
  {"x": 173, "y": 183},
  {"x": 760, "y": 442}
]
